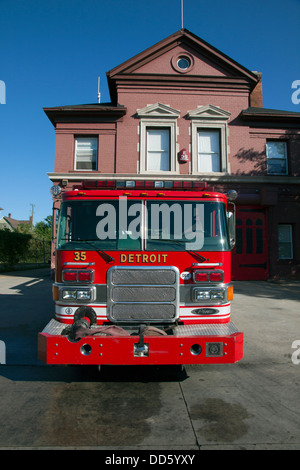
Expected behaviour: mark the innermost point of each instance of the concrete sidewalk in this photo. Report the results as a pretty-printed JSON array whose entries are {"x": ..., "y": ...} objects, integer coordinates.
[{"x": 269, "y": 315}]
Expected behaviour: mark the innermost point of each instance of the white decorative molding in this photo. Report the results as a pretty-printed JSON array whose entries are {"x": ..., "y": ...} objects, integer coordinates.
[
  {"x": 158, "y": 115},
  {"x": 210, "y": 117},
  {"x": 209, "y": 111},
  {"x": 158, "y": 110}
]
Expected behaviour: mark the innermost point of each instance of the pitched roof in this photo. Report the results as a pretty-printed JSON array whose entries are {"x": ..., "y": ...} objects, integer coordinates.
[
  {"x": 133, "y": 72},
  {"x": 182, "y": 37},
  {"x": 14, "y": 223},
  {"x": 188, "y": 41}
]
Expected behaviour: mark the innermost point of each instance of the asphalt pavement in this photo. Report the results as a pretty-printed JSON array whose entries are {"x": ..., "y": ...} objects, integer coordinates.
[{"x": 251, "y": 405}]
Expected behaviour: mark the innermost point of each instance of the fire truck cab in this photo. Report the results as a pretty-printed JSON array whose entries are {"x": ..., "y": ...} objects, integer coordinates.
[{"x": 142, "y": 276}]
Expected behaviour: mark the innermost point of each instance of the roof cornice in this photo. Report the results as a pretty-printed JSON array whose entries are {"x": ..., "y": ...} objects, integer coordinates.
[
  {"x": 94, "y": 112},
  {"x": 266, "y": 114}
]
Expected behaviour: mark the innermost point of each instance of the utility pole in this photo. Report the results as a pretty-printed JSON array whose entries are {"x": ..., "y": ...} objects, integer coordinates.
[{"x": 32, "y": 211}]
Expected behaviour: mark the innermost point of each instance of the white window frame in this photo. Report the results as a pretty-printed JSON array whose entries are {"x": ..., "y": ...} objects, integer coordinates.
[
  {"x": 158, "y": 116},
  {"x": 162, "y": 151},
  {"x": 270, "y": 158},
  {"x": 96, "y": 139},
  {"x": 289, "y": 242},
  {"x": 210, "y": 117},
  {"x": 211, "y": 153}
]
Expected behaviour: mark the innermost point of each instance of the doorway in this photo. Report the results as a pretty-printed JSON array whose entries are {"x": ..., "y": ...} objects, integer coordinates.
[{"x": 250, "y": 254}]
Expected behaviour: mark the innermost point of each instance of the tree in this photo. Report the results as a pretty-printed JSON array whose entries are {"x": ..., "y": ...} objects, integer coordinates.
[
  {"x": 43, "y": 229},
  {"x": 13, "y": 246},
  {"x": 24, "y": 228}
]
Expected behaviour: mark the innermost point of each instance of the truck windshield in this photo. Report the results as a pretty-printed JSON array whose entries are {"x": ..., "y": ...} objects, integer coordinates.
[{"x": 136, "y": 225}]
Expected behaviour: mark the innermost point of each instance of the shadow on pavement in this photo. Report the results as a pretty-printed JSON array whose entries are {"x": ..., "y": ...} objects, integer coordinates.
[
  {"x": 85, "y": 373},
  {"x": 31, "y": 272},
  {"x": 26, "y": 307}
]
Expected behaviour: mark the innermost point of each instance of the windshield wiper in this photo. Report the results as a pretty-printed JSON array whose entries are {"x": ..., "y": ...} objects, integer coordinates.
[
  {"x": 89, "y": 242},
  {"x": 177, "y": 242},
  {"x": 202, "y": 258}
]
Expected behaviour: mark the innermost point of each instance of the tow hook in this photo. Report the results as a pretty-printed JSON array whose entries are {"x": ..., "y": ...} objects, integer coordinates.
[{"x": 141, "y": 349}]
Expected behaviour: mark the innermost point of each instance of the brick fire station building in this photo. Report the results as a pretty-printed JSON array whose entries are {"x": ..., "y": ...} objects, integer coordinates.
[{"x": 183, "y": 96}]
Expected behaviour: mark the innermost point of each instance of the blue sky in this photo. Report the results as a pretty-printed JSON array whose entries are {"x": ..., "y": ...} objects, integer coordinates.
[{"x": 52, "y": 52}]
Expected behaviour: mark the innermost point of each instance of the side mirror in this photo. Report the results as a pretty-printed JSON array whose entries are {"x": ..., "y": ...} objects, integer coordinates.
[
  {"x": 55, "y": 216},
  {"x": 231, "y": 226}
]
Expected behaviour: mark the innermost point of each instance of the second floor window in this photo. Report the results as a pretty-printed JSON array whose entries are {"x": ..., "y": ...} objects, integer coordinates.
[
  {"x": 158, "y": 139},
  {"x": 276, "y": 157},
  {"x": 158, "y": 149},
  {"x": 86, "y": 153},
  {"x": 209, "y": 133},
  {"x": 209, "y": 151}
]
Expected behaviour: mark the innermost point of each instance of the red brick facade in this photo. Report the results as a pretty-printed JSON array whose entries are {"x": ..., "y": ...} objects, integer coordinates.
[{"x": 209, "y": 92}]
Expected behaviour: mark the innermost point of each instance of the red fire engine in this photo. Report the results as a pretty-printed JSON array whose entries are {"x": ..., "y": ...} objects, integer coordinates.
[{"x": 142, "y": 276}]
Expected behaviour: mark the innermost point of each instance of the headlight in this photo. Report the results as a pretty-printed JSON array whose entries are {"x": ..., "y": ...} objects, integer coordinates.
[
  {"x": 69, "y": 294},
  {"x": 217, "y": 294},
  {"x": 84, "y": 295},
  {"x": 208, "y": 294},
  {"x": 202, "y": 294},
  {"x": 76, "y": 294}
]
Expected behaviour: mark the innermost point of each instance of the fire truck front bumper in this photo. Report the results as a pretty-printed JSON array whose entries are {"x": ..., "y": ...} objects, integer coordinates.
[{"x": 189, "y": 344}]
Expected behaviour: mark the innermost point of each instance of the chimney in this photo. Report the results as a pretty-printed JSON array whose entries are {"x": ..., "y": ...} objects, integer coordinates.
[
  {"x": 256, "y": 98},
  {"x": 9, "y": 216}
]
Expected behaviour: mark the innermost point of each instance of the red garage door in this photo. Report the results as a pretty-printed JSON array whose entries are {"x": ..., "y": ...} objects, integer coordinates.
[{"x": 250, "y": 255}]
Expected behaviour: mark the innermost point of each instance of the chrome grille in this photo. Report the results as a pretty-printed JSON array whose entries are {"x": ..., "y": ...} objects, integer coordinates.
[
  {"x": 143, "y": 276},
  {"x": 143, "y": 294},
  {"x": 148, "y": 294}
]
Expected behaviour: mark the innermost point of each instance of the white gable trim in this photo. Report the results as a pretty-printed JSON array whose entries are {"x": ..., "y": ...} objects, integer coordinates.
[
  {"x": 209, "y": 112},
  {"x": 158, "y": 110}
]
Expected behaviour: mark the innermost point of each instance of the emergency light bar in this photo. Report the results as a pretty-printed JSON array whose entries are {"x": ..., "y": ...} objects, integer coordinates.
[{"x": 137, "y": 184}]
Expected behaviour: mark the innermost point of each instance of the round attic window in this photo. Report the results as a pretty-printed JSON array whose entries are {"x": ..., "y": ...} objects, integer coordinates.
[{"x": 183, "y": 63}]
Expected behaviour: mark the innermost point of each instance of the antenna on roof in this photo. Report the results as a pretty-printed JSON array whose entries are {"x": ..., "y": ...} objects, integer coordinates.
[
  {"x": 181, "y": 14},
  {"x": 99, "y": 94}
]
